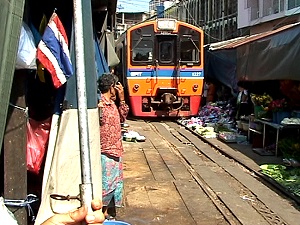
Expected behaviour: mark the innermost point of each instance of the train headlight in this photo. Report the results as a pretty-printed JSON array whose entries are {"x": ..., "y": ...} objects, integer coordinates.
[
  {"x": 136, "y": 87},
  {"x": 195, "y": 87}
]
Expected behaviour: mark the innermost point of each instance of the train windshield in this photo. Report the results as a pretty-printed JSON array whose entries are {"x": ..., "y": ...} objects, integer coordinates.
[
  {"x": 142, "y": 50},
  {"x": 189, "y": 51},
  {"x": 166, "y": 49}
]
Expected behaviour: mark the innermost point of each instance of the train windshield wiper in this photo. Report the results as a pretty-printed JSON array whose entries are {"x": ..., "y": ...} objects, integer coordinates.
[
  {"x": 189, "y": 37},
  {"x": 194, "y": 44},
  {"x": 139, "y": 41}
]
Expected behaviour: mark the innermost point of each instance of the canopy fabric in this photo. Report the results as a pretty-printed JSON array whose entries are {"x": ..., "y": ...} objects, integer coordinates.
[
  {"x": 272, "y": 55},
  {"x": 101, "y": 64},
  {"x": 63, "y": 159},
  {"x": 112, "y": 57},
  {"x": 10, "y": 26},
  {"x": 107, "y": 44},
  {"x": 221, "y": 66}
]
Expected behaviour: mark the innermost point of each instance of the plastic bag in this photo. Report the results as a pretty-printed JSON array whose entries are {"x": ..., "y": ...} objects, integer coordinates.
[
  {"x": 37, "y": 142},
  {"x": 26, "y": 57},
  {"x": 6, "y": 215}
]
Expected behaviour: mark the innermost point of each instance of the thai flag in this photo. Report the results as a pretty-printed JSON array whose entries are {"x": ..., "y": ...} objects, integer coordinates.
[{"x": 53, "y": 52}]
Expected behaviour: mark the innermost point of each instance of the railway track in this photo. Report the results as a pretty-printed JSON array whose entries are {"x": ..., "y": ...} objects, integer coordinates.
[
  {"x": 238, "y": 192},
  {"x": 261, "y": 176}
]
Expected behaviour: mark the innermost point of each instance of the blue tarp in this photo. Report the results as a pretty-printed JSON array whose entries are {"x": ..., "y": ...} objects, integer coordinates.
[
  {"x": 221, "y": 66},
  {"x": 100, "y": 66},
  {"x": 101, "y": 63}
]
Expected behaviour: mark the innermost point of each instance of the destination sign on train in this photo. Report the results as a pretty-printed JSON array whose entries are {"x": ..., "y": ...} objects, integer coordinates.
[{"x": 166, "y": 24}]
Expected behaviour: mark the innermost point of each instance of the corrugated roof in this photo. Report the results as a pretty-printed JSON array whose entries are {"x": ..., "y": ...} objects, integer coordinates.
[{"x": 236, "y": 42}]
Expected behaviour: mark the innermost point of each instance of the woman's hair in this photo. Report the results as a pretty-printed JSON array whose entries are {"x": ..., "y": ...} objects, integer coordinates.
[{"x": 106, "y": 81}]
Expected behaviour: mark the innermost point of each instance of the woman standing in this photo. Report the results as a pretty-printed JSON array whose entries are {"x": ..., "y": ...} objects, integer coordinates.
[
  {"x": 243, "y": 102},
  {"x": 111, "y": 141}
]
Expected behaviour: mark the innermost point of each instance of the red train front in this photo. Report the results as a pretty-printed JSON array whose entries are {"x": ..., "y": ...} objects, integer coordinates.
[{"x": 162, "y": 68}]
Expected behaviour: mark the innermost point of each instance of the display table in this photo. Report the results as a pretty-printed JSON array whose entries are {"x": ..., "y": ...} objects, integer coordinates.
[{"x": 276, "y": 126}]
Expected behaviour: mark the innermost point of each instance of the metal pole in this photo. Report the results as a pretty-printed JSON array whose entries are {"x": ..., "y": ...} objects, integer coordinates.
[{"x": 86, "y": 189}]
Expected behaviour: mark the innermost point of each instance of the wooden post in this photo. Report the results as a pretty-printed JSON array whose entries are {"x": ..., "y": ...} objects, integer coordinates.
[{"x": 14, "y": 147}]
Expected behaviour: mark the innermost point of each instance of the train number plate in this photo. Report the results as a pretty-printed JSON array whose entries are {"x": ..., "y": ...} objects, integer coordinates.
[{"x": 196, "y": 74}]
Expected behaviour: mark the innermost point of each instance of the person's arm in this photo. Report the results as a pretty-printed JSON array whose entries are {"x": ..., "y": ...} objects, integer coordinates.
[
  {"x": 123, "y": 111},
  {"x": 123, "y": 108},
  {"x": 78, "y": 216}
]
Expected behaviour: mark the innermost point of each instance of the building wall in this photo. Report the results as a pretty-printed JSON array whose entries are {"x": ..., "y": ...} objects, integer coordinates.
[
  {"x": 218, "y": 18},
  {"x": 125, "y": 20},
  {"x": 264, "y": 15}
]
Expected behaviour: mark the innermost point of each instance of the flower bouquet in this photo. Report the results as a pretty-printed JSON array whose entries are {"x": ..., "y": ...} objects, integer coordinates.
[
  {"x": 261, "y": 103},
  {"x": 278, "y": 105},
  {"x": 280, "y": 110},
  {"x": 261, "y": 100}
]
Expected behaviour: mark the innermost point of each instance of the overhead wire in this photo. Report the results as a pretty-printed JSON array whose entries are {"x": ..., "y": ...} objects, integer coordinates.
[
  {"x": 136, "y": 3},
  {"x": 183, "y": 3}
]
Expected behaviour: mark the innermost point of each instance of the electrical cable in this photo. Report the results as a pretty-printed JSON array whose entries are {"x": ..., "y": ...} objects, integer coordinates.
[
  {"x": 136, "y": 4},
  {"x": 183, "y": 4}
]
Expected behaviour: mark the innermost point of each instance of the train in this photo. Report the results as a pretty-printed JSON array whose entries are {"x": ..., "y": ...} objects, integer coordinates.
[{"x": 161, "y": 68}]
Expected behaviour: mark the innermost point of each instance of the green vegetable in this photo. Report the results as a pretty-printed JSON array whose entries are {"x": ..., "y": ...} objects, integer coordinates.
[{"x": 289, "y": 178}]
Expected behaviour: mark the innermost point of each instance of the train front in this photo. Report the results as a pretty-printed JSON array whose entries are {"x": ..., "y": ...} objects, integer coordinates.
[{"x": 164, "y": 68}]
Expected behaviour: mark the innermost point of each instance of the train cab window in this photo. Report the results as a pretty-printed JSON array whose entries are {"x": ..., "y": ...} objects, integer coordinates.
[
  {"x": 189, "y": 50},
  {"x": 142, "y": 51},
  {"x": 166, "y": 49},
  {"x": 166, "y": 53}
]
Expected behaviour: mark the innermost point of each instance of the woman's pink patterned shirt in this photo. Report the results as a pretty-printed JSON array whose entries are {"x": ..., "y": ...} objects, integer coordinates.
[{"x": 110, "y": 127}]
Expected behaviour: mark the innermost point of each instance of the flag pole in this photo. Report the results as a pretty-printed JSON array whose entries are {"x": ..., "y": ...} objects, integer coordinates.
[{"x": 86, "y": 188}]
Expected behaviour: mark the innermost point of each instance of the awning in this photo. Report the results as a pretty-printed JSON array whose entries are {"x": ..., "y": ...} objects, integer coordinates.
[
  {"x": 272, "y": 55},
  {"x": 239, "y": 41}
]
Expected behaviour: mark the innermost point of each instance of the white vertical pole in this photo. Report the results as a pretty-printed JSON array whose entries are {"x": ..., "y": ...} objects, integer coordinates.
[{"x": 86, "y": 189}]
